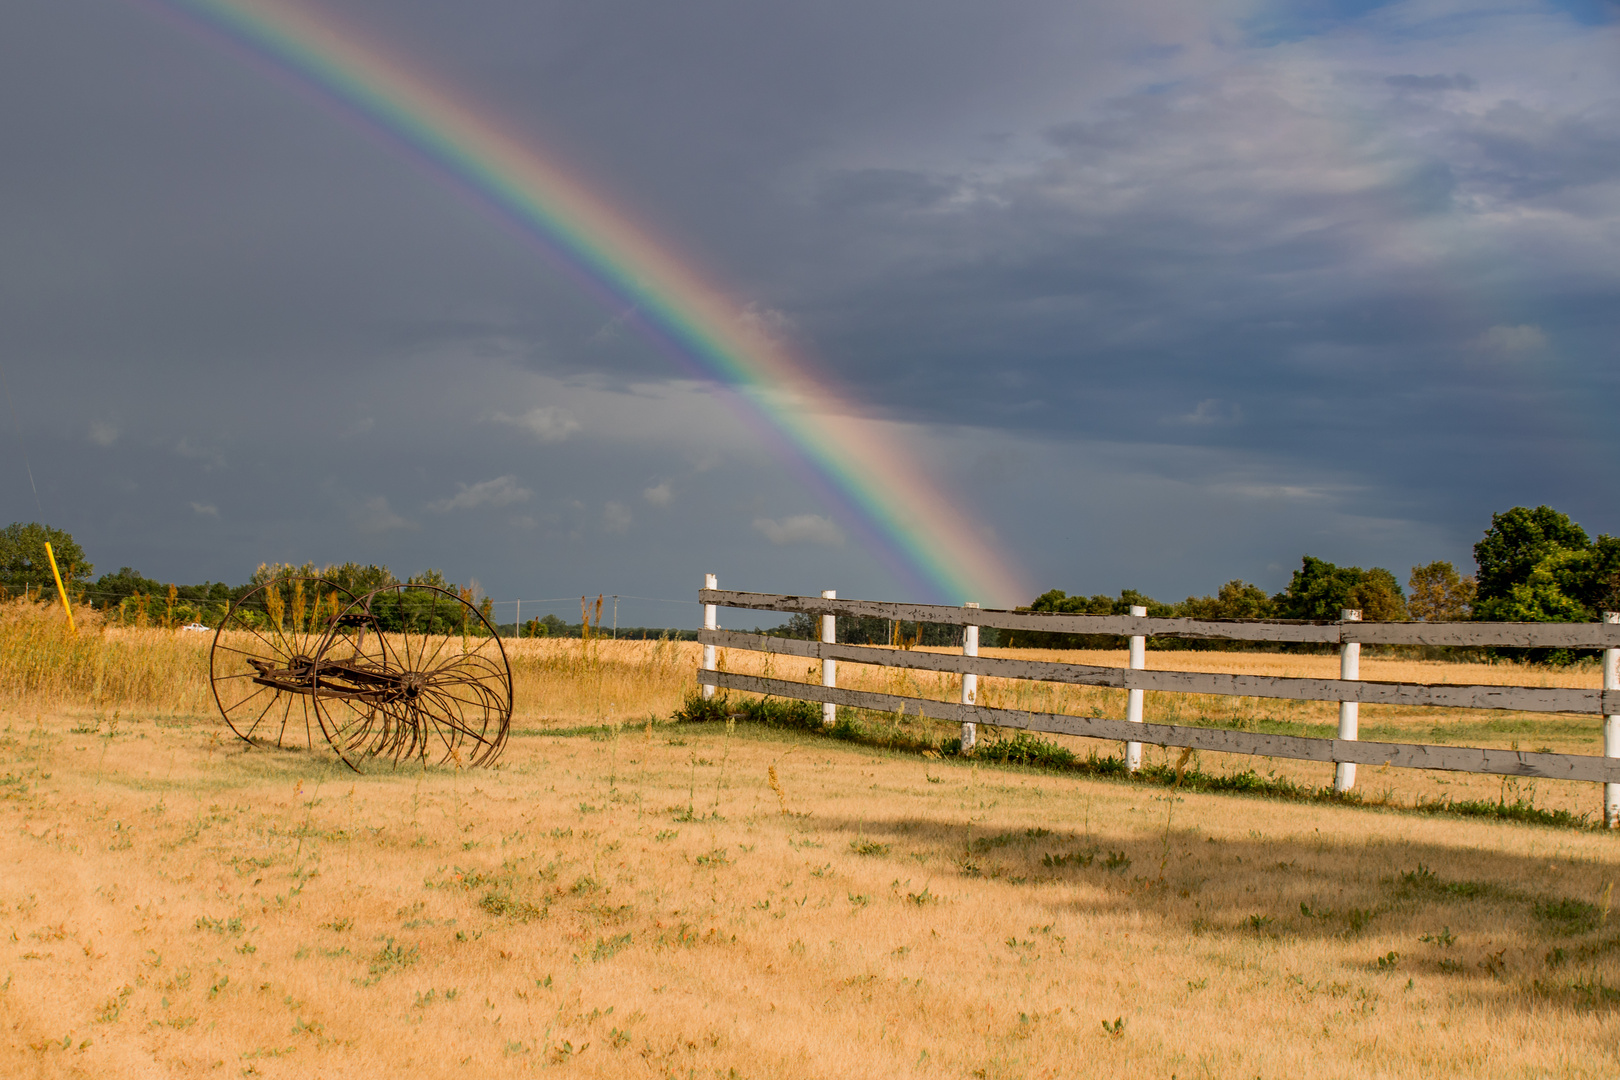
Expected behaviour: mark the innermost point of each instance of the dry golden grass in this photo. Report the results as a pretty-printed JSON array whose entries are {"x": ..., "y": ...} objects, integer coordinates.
[
  {"x": 566, "y": 682},
  {"x": 639, "y": 904}
]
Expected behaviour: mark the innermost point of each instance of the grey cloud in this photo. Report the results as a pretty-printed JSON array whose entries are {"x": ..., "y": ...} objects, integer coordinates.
[
  {"x": 801, "y": 529},
  {"x": 374, "y": 515},
  {"x": 1037, "y": 229},
  {"x": 616, "y": 517},
  {"x": 501, "y": 491},
  {"x": 897, "y": 189},
  {"x": 548, "y": 423},
  {"x": 1431, "y": 82}
]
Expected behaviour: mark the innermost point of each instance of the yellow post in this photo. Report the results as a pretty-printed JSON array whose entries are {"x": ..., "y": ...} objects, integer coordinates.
[{"x": 57, "y": 574}]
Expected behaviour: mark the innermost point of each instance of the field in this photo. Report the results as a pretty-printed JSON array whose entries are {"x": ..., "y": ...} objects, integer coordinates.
[{"x": 627, "y": 896}]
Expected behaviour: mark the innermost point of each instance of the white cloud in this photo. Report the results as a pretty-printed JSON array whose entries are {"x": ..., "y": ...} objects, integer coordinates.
[
  {"x": 772, "y": 325},
  {"x": 210, "y": 459},
  {"x": 1209, "y": 413},
  {"x": 1512, "y": 341},
  {"x": 501, "y": 491},
  {"x": 801, "y": 529},
  {"x": 103, "y": 433},
  {"x": 548, "y": 423},
  {"x": 205, "y": 509},
  {"x": 659, "y": 494},
  {"x": 376, "y": 516},
  {"x": 616, "y": 517}
]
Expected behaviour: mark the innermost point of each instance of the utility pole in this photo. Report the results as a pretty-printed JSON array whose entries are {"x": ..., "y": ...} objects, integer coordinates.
[{"x": 615, "y": 615}]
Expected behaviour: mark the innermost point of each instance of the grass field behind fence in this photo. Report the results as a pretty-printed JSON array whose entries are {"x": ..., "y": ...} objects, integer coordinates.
[{"x": 567, "y": 682}]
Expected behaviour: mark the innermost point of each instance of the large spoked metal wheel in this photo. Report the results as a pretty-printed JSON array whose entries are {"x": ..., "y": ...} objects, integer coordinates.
[
  {"x": 262, "y": 664},
  {"x": 424, "y": 678}
]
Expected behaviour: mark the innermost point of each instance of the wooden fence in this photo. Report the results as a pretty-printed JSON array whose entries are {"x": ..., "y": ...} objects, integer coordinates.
[{"x": 1349, "y": 690}]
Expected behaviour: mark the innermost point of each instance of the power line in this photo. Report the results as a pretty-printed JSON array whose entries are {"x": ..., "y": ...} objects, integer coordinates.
[{"x": 17, "y": 427}]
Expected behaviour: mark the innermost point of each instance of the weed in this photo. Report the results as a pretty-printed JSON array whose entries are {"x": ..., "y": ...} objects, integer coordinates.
[
  {"x": 1025, "y": 749},
  {"x": 1445, "y": 938},
  {"x": 232, "y": 926},
  {"x": 1117, "y": 861},
  {"x": 1567, "y": 915},
  {"x": 1425, "y": 880},
  {"x": 606, "y": 947},
  {"x": 1258, "y": 923},
  {"x": 391, "y": 957},
  {"x": 868, "y": 847},
  {"x": 504, "y": 905},
  {"x": 1389, "y": 961},
  {"x": 1115, "y": 1028}
]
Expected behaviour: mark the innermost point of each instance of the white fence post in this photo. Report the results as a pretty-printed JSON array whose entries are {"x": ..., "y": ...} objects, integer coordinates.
[
  {"x": 709, "y": 623},
  {"x": 1133, "y": 703},
  {"x": 970, "y": 682},
  {"x": 1611, "y": 726},
  {"x": 829, "y": 668},
  {"x": 1344, "y": 773}
]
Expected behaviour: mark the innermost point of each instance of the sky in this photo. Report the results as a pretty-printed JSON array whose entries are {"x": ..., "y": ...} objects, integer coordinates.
[{"x": 1154, "y": 295}]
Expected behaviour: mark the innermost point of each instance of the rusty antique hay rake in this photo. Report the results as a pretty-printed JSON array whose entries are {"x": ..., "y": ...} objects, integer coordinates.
[{"x": 403, "y": 672}]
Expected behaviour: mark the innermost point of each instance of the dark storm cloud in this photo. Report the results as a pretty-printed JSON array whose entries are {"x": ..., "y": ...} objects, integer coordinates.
[{"x": 1353, "y": 284}]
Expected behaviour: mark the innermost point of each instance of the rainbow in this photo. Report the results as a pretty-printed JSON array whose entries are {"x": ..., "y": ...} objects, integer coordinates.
[{"x": 897, "y": 510}]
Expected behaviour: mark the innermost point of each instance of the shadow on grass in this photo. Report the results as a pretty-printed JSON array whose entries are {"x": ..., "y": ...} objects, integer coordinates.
[{"x": 1497, "y": 925}]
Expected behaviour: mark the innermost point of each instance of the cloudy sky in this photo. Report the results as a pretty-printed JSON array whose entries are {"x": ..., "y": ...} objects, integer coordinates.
[{"x": 1162, "y": 293}]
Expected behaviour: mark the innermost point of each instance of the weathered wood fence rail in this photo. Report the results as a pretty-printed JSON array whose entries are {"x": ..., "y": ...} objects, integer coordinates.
[{"x": 1349, "y": 690}]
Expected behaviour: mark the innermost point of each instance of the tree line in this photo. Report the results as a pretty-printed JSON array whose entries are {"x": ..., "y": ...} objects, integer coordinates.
[
  {"x": 1531, "y": 566},
  {"x": 129, "y": 598}
]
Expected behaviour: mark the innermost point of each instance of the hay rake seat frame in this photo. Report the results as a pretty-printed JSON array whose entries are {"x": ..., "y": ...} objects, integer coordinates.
[{"x": 402, "y": 672}]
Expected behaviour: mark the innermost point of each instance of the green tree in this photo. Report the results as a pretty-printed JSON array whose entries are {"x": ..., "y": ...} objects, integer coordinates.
[
  {"x": 1539, "y": 566},
  {"x": 1321, "y": 590},
  {"x": 359, "y": 579},
  {"x": 1237, "y": 599},
  {"x": 24, "y": 565},
  {"x": 1439, "y": 594},
  {"x": 1550, "y": 592},
  {"x": 113, "y": 588},
  {"x": 1056, "y": 600},
  {"x": 1517, "y": 540},
  {"x": 268, "y": 572}
]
